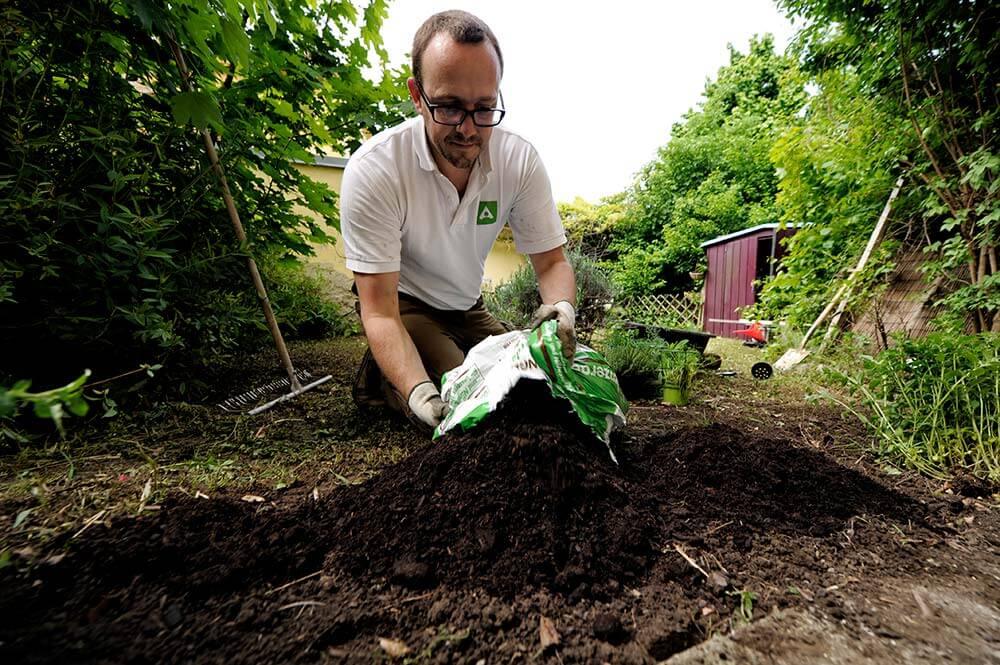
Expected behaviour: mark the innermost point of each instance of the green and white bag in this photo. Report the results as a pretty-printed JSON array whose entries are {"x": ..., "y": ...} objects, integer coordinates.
[{"x": 495, "y": 365}]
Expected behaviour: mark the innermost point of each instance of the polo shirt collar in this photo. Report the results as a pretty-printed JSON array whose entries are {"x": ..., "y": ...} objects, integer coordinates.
[
  {"x": 424, "y": 156},
  {"x": 426, "y": 159}
]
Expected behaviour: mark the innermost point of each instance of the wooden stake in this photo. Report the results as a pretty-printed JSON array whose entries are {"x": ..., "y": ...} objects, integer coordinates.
[{"x": 873, "y": 241}]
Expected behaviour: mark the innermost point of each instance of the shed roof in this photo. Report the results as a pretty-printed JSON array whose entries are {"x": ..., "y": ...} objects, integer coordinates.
[
  {"x": 746, "y": 232},
  {"x": 335, "y": 161}
]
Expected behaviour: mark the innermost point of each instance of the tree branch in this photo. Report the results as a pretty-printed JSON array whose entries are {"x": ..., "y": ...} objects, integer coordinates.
[{"x": 920, "y": 135}]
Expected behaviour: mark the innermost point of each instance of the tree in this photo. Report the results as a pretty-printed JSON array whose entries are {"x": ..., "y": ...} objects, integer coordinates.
[
  {"x": 589, "y": 226},
  {"x": 715, "y": 174},
  {"x": 115, "y": 244},
  {"x": 931, "y": 63},
  {"x": 836, "y": 166}
]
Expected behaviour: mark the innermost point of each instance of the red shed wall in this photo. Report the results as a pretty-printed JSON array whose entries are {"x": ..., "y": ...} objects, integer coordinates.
[{"x": 732, "y": 268}]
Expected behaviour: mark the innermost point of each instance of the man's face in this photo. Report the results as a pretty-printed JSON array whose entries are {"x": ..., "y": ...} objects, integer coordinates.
[{"x": 459, "y": 75}]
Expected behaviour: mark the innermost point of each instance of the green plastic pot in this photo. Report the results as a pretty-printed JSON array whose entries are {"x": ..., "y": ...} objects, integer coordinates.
[{"x": 674, "y": 395}]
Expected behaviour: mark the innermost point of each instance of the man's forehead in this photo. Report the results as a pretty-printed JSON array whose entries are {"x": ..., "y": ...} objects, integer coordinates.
[
  {"x": 450, "y": 64},
  {"x": 449, "y": 93}
]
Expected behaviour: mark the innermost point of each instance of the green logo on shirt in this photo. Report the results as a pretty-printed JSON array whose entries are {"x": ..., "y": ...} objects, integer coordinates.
[{"x": 487, "y": 212}]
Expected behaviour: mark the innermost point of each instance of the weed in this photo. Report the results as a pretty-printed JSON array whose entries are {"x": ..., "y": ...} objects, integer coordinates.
[
  {"x": 445, "y": 638},
  {"x": 212, "y": 473},
  {"x": 933, "y": 404},
  {"x": 744, "y": 608}
]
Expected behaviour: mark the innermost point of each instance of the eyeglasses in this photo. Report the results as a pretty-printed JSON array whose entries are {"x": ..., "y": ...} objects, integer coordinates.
[{"x": 445, "y": 114}]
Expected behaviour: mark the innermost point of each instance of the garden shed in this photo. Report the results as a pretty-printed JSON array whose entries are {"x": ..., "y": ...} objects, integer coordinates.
[{"x": 737, "y": 265}]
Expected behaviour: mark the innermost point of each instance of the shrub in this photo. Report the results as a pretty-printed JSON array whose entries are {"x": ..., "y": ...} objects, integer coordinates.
[
  {"x": 116, "y": 246},
  {"x": 303, "y": 310},
  {"x": 934, "y": 403},
  {"x": 515, "y": 300}
]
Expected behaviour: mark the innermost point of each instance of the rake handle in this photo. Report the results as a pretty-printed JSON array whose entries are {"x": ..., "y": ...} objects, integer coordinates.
[{"x": 234, "y": 217}]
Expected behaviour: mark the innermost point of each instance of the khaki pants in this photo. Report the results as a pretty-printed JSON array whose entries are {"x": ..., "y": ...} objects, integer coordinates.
[{"x": 442, "y": 338}]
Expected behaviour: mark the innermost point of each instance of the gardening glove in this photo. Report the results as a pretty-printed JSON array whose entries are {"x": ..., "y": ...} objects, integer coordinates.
[
  {"x": 565, "y": 316},
  {"x": 426, "y": 404}
]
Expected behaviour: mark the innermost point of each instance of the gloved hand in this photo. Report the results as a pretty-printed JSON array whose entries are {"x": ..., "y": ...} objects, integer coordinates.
[
  {"x": 565, "y": 316},
  {"x": 426, "y": 404}
]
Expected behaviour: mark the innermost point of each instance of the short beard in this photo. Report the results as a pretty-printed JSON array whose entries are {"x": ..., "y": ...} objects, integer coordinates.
[{"x": 459, "y": 161}]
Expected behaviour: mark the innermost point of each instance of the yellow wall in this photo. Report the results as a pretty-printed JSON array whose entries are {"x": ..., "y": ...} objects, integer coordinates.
[
  {"x": 502, "y": 260},
  {"x": 328, "y": 256},
  {"x": 501, "y": 263}
]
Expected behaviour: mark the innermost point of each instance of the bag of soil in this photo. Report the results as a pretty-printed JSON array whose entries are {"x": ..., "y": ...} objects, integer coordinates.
[{"x": 495, "y": 365}]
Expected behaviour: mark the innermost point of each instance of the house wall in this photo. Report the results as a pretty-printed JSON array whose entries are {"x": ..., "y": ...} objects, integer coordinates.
[
  {"x": 328, "y": 257},
  {"x": 729, "y": 281}
]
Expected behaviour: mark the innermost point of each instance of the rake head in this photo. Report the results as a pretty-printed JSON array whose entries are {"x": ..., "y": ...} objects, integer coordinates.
[{"x": 244, "y": 401}]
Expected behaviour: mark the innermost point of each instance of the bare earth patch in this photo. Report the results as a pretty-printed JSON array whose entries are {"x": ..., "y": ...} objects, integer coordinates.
[{"x": 747, "y": 527}]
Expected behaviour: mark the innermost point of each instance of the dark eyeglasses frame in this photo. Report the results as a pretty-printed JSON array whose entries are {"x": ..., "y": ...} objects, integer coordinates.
[{"x": 465, "y": 112}]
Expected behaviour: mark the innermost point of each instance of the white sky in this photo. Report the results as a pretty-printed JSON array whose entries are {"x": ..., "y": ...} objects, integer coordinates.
[{"x": 645, "y": 59}]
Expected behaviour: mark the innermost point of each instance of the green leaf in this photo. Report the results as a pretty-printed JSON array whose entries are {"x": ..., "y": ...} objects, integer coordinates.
[
  {"x": 265, "y": 10},
  {"x": 234, "y": 10},
  {"x": 284, "y": 109},
  {"x": 197, "y": 108},
  {"x": 43, "y": 409},
  {"x": 78, "y": 406},
  {"x": 8, "y": 405},
  {"x": 147, "y": 12},
  {"x": 22, "y": 516},
  {"x": 236, "y": 42},
  {"x": 77, "y": 383}
]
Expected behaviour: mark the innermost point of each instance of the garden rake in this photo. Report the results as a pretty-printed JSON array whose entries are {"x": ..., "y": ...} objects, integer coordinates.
[{"x": 297, "y": 382}]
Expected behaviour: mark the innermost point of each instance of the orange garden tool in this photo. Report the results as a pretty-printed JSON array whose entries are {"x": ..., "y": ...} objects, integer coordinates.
[{"x": 756, "y": 332}]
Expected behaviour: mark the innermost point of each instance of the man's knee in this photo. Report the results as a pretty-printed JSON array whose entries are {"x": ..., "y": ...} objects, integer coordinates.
[{"x": 438, "y": 350}]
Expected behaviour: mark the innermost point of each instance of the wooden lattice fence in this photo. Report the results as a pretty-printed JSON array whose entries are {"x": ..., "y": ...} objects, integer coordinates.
[{"x": 681, "y": 311}]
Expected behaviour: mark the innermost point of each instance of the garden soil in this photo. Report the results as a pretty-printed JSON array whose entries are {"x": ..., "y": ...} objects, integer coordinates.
[{"x": 711, "y": 540}]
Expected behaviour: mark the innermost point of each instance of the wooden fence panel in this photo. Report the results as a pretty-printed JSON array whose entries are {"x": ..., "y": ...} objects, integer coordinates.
[{"x": 680, "y": 311}]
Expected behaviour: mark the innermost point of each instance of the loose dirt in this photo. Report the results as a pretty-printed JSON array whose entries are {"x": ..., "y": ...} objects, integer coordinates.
[{"x": 522, "y": 540}]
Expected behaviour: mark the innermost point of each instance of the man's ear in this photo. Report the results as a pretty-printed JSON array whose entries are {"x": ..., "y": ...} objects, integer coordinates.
[{"x": 411, "y": 84}]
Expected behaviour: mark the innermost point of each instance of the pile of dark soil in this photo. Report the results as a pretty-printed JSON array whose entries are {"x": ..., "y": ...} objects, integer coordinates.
[
  {"x": 526, "y": 514},
  {"x": 529, "y": 497}
]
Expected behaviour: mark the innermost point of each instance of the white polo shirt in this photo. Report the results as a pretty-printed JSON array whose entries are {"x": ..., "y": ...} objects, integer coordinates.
[{"x": 399, "y": 213}]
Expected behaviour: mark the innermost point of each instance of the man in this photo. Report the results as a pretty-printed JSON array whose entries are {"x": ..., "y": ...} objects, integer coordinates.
[{"x": 422, "y": 204}]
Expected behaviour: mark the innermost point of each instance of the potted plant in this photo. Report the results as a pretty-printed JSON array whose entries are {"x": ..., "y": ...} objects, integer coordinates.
[{"x": 678, "y": 365}]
